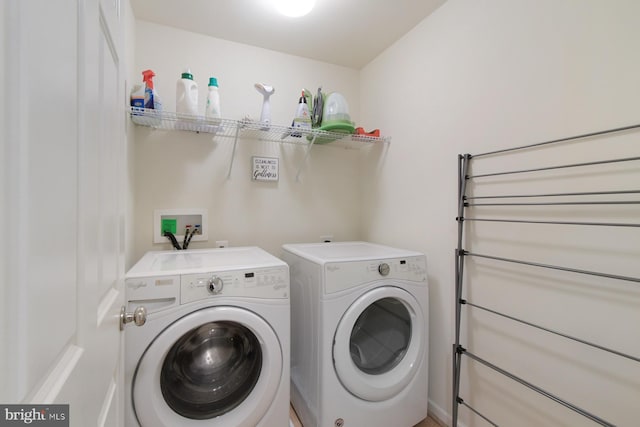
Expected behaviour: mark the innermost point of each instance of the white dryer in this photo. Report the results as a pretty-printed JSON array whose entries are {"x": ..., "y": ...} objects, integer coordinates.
[
  {"x": 214, "y": 350},
  {"x": 359, "y": 334}
]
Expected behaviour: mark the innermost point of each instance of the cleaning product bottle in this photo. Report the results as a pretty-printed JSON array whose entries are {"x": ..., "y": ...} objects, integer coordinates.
[
  {"x": 137, "y": 102},
  {"x": 302, "y": 119},
  {"x": 151, "y": 98},
  {"x": 212, "y": 110},
  {"x": 137, "y": 96},
  {"x": 308, "y": 98},
  {"x": 187, "y": 94}
]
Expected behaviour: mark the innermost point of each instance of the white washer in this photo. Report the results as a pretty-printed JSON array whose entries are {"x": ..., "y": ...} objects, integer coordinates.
[
  {"x": 214, "y": 350},
  {"x": 359, "y": 334}
]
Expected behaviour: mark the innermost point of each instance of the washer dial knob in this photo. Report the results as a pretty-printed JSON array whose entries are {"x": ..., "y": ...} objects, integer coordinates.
[
  {"x": 215, "y": 285},
  {"x": 384, "y": 269}
]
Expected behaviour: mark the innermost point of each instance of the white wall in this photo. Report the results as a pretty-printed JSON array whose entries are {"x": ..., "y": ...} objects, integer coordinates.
[
  {"x": 476, "y": 76},
  {"x": 187, "y": 170}
]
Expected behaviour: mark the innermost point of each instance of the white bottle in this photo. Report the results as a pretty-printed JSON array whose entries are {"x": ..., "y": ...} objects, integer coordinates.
[
  {"x": 212, "y": 109},
  {"x": 187, "y": 94},
  {"x": 302, "y": 118}
]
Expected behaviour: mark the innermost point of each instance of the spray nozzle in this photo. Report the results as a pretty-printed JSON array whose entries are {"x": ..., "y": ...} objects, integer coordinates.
[{"x": 147, "y": 77}]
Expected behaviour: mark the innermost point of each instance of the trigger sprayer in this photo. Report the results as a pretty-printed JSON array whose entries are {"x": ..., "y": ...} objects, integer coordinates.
[
  {"x": 151, "y": 99},
  {"x": 147, "y": 78}
]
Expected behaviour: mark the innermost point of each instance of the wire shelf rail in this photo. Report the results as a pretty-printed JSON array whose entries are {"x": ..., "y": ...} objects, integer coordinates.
[
  {"x": 227, "y": 128},
  {"x": 249, "y": 129}
]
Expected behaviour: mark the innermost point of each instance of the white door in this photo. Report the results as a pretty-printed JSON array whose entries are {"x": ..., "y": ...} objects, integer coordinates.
[
  {"x": 62, "y": 206},
  {"x": 379, "y": 343}
]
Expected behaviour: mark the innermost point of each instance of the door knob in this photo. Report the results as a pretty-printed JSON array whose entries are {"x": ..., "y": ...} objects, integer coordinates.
[{"x": 139, "y": 316}]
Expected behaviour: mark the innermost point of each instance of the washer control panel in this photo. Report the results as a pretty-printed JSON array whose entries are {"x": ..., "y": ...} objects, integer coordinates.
[
  {"x": 152, "y": 288},
  {"x": 272, "y": 282}
]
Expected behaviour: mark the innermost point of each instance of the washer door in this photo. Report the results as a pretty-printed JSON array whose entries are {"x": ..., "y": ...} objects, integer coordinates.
[
  {"x": 219, "y": 367},
  {"x": 379, "y": 343}
]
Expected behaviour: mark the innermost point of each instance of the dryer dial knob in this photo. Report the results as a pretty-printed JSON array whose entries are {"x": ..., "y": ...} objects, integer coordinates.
[
  {"x": 215, "y": 285},
  {"x": 384, "y": 269}
]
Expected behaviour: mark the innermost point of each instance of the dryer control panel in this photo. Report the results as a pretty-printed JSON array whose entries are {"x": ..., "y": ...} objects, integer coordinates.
[
  {"x": 340, "y": 276},
  {"x": 272, "y": 282}
]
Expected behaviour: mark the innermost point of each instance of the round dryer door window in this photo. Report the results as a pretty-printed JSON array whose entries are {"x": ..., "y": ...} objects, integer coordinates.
[
  {"x": 379, "y": 343},
  {"x": 219, "y": 366}
]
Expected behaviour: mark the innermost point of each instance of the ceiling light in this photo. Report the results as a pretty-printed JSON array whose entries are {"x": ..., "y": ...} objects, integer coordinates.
[{"x": 294, "y": 8}]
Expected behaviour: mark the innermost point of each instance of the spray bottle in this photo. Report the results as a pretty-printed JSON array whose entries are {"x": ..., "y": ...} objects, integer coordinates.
[
  {"x": 302, "y": 119},
  {"x": 137, "y": 97},
  {"x": 151, "y": 98}
]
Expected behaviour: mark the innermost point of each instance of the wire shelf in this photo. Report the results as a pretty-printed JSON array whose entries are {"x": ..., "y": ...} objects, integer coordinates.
[{"x": 227, "y": 128}]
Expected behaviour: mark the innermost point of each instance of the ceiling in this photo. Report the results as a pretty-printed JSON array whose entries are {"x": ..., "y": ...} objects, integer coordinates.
[{"x": 350, "y": 33}]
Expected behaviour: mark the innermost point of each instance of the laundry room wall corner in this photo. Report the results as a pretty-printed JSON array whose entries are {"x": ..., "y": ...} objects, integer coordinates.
[{"x": 485, "y": 76}]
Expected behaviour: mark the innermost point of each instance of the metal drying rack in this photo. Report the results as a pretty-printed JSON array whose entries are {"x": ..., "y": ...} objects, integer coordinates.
[{"x": 466, "y": 199}]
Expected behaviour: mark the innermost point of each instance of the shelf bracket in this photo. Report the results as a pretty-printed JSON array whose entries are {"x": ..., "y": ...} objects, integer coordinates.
[
  {"x": 233, "y": 152},
  {"x": 306, "y": 156}
]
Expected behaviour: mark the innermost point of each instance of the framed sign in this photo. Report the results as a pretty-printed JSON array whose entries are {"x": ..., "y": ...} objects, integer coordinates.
[{"x": 265, "y": 168}]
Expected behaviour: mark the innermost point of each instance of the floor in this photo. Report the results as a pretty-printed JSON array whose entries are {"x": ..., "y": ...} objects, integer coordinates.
[{"x": 428, "y": 422}]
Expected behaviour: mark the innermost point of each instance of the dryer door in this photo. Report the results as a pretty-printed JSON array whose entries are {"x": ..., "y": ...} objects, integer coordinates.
[
  {"x": 379, "y": 343},
  {"x": 219, "y": 367}
]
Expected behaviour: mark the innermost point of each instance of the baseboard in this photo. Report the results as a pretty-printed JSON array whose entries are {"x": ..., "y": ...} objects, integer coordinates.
[{"x": 441, "y": 415}]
